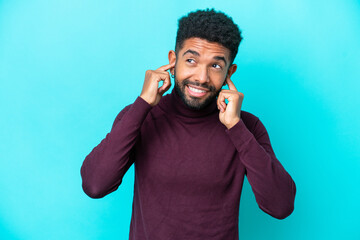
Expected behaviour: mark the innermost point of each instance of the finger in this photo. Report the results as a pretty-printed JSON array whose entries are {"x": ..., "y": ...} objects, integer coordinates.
[
  {"x": 220, "y": 107},
  {"x": 230, "y": 84},
  {"x": 221, "y": 101},
  {"x": 162, "y": 76},
  {"x": 166, "y": 67},
  {"x": 164, "y": 88},
  {"x": 166, "y": 84},
  {"x": 223, "y": 104}
]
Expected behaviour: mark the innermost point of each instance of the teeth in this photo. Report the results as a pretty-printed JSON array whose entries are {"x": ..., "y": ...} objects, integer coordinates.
[{"x": 196, "y": 90}]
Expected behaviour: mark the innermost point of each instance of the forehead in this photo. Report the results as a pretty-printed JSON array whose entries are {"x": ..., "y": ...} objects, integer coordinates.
[{"x": 205, "y": 47}]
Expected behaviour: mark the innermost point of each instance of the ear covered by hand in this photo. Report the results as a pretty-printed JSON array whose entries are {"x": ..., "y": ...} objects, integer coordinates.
[
  {"x": 229, "y": 114},
  {"x": 151, "y": 93}
]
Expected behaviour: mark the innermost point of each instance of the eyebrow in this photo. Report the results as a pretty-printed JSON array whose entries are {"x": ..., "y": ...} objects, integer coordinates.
[{"x": 221, "y": 58}]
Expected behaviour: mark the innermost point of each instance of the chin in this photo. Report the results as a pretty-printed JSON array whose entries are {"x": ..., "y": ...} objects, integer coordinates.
[{"x": 192, "y": 102}]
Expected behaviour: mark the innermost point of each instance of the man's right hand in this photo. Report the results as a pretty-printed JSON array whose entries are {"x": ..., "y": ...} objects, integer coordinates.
[{"x": 151, "y": 93}]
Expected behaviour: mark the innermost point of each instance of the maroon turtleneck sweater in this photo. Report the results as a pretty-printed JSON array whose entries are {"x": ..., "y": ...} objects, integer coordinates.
[{"x": 189, "y": 170}]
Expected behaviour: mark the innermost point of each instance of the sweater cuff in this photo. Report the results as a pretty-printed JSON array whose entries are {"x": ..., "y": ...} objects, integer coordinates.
[
  {"x": 136, "y": 114},
  {"x": 141, "y": 102},
  {"x": 239, "y": 135},
  {"x": 139, "y": 109}
]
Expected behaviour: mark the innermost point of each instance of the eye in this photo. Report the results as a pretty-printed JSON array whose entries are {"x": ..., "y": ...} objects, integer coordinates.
[
  {"x": 190, "y": 60},
  {"x": 217, "y": 66}
]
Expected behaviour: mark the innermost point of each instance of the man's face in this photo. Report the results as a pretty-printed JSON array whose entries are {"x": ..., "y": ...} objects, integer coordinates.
[{"x": 200, "y": 71}]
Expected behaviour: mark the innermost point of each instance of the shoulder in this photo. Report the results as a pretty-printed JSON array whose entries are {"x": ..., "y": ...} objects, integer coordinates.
[
  {"x": 249, "y": 119},
  {"x": 254, "y": 124},
  {"x": 123, "y": 111},
  {"x": 121, "y": 114},
  {"x": 137, "y": 107}
]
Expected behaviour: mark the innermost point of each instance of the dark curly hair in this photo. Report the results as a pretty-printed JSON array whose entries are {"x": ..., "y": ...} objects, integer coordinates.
[{"x": 211, "y": 25}]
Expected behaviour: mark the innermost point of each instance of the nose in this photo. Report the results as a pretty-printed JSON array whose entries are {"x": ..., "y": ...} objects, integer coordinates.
[{"x": 202, "y": 75}]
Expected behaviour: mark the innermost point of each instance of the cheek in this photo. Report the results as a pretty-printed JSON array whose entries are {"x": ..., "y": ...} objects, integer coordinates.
[
  {"x": 219, "y": 82},
  {"x": 182, "y": 72}
]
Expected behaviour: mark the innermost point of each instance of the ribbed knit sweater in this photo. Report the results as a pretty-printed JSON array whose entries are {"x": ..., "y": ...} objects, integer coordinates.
[{"x": 189, "y": 170}]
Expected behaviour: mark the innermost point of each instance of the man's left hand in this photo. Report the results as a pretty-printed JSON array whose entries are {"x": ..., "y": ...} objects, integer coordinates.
[{"x": 229, "y": 114}]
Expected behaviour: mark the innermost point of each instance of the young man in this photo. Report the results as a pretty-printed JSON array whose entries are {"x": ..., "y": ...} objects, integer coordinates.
[{"x": 191, "y": 149}]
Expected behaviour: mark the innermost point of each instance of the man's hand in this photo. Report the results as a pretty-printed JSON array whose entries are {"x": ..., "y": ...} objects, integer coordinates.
[
  {"x": 229, "y": 114},
  {"x": 150, "y": 92}
]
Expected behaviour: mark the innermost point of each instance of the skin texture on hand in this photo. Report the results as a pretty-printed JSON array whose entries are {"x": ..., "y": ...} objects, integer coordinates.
[
  {"x": 229, "y": 114},
  {"x": 151, "y": 93}
]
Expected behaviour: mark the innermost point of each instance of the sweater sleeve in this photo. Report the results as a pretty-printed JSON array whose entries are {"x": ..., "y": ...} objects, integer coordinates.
[
  {"x": 104, "y": 167},
  {"x": 273, "y": 187}
]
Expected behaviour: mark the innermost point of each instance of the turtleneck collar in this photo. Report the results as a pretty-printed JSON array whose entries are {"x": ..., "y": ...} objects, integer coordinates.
[{"x": 173, "y": 103}]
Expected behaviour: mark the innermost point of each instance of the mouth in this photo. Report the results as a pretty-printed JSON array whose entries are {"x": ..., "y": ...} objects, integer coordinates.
[{"x": 196, "y": 91}]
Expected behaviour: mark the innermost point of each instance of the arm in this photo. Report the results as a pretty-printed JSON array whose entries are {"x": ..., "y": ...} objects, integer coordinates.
[
  {"x": 273, "y": 187},
  {"x": 103, "y": 169}
]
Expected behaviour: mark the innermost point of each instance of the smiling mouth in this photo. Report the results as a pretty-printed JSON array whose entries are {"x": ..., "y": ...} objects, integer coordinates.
[{"x": 196, "y": 92}]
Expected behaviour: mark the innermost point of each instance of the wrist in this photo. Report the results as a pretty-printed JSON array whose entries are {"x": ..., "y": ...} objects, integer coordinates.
[
  {"x": 233, "y": 123},
  {"x": 146, "y": 99}
]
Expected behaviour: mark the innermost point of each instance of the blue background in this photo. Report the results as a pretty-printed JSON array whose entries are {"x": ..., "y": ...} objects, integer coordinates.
[{"x": 68, "y": 67}]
